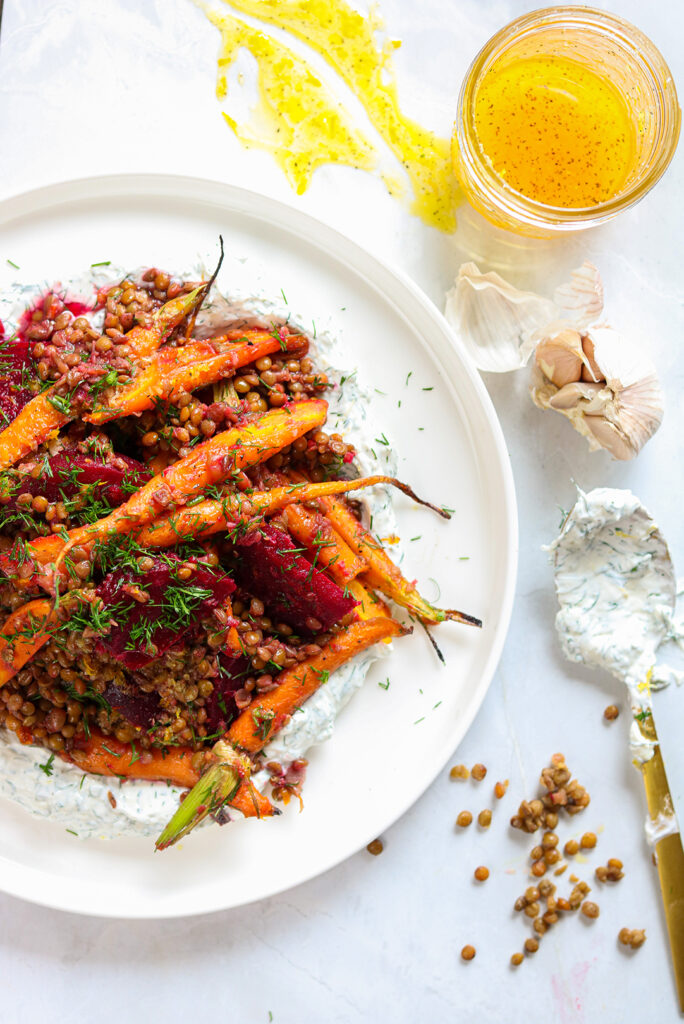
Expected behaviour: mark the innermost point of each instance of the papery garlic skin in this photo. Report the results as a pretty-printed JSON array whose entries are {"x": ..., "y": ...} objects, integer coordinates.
[
  {"x": 499, "y": 325},
  {"x": 495, "y": 321},
  {"x": 620, "y": 410}
]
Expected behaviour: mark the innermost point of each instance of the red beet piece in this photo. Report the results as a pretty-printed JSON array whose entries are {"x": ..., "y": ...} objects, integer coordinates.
[
  {"x": 62, "y": 476},
  {"x": 139, "y": 708},
  {"x": 294, "y": 591},
  {"x": 141, "y": 631},
  {"x": 15, "y": 364},
  {"x": 220, "y": 706}
]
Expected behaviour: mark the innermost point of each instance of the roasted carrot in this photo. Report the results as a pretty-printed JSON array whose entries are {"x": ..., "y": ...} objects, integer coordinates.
[
  {"x": 23, "y": 633},
  {"x": 50, "y": 410},
  {"x": 216, "y": 515},
  {"x": 210, "y": 463},
  {"x": 253, "y": 728},
  {"x": 143, "y": 341},
  {"x": 34, "y": 424},
  {"x": 172, "y": 371},
  {"x": 200, "y": 521},
  {"x": 324, "y": 545},
  {"x": 105, "y": 755},
  {"x": 370, "y": 606},
  {"x": 382, "y": 574}
]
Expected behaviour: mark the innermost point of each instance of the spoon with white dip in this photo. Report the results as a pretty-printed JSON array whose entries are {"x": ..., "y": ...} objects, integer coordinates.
[{"x": 617, "y": 591}]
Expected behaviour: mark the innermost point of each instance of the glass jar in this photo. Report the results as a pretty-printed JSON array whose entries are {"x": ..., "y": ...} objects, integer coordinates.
[{"x": 609, "y": 47}]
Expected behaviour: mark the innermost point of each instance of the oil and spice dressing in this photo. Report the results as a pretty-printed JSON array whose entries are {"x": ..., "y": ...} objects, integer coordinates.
[
  {"x": 300, "y": 122},
  {"x": 305, "y": 125},
  {"x": 556, "y": 131}
]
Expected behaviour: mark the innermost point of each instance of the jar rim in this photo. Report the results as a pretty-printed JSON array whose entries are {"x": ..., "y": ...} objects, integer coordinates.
[{"x": 532, "y": 212}]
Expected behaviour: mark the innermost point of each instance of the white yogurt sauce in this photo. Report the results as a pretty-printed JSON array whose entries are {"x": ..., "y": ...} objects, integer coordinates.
[
  {"x": 80, "y": 802},
  {"x": 616, "y": 588}
]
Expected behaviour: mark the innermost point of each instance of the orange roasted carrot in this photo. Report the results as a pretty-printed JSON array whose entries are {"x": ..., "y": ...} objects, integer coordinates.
[
  {"x": 23, "y": 633},
  {"x": 50, "y": 410},
  {"x": 369, "y": 606},
  {"x": 216, "y": 515},
  {"x": 253, "y": 728},
  {"x": 105, "y": 755},
  {"x": 210, "y": 463},
  {"x": 198, "y": 521},
  {"x": 250, "y": 732},
  {"x": 382, "y": 574},
  {"x": 172, "y": 371},
  {"x": 143, "y": 341},
  {"x": 34, "y": 424},
  {"x": 323, "y": 543}
]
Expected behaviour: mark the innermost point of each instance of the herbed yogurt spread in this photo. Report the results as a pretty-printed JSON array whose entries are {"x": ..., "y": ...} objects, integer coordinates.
[
  {"x": 617, "y": 593},
  {"x": 48, "y": 787}
]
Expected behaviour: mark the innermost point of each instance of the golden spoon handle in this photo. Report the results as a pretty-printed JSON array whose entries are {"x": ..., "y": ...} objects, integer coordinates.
[{"x": 670, "y": 861}]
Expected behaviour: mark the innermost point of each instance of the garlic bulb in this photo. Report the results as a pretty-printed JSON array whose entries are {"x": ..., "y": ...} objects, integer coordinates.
[{"x": 606, "y": 387}]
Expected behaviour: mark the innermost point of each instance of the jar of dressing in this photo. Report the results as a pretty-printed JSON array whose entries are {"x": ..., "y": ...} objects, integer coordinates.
[{"x": 566, "y": 117}]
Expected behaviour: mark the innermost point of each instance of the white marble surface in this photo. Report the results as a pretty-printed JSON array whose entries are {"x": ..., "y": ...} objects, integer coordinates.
[{"x": 88, "y": 88}]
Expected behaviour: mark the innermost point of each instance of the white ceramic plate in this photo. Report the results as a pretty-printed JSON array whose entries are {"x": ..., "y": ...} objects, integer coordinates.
[{"x": 389, "y": 744}]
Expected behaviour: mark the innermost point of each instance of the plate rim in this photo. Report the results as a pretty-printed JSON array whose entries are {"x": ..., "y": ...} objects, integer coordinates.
[{"x": 322, "y": 236}]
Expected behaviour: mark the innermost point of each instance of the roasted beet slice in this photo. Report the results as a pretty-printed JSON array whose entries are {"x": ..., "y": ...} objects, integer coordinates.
[
  {"x": 139, "y": 708},
  {"x": 142, "y": 630},
  {"x": 293, "y": 590},
  {"x": 64, "y": 474},
  {"x": 15, "y": 364},
  {"x": 220, "y": 706}
]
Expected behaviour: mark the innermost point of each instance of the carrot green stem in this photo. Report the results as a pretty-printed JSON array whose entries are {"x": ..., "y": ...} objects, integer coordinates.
[{"x": 214, "y": 789}]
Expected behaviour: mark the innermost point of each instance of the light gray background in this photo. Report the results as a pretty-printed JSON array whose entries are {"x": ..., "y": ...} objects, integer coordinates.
[{"x": 89, "y": 88}]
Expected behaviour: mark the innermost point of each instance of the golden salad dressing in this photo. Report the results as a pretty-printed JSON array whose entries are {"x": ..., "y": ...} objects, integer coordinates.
[
  {"x": 555, "y": 130},
  {"x": 301, "y": 122}
]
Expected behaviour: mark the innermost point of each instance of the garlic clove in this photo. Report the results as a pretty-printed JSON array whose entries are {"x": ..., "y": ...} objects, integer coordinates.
[
  {"x": 494, "y": 320},
  {"x": 618, "y": 412},
  {"x": 610, "y": 437},
  {"x": 591, "y": 398},
  {"x": 560, "y": 357},
  {"x": 590, "y": 368},
  {"x": 580, "y": 301}
]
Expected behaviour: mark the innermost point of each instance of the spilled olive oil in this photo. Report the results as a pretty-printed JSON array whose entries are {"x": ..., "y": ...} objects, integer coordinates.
[
  {"x": 301, "y": 122},
  {"x": 555, "y": 130}
]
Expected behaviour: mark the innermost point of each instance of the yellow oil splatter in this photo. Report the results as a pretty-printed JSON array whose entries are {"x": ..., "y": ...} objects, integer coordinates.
[
  {"x": 346, "y": 40},
  {"x": 298, "y": 119}
]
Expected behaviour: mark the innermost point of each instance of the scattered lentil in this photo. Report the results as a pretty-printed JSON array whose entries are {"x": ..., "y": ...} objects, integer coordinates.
[
  {"x": 481, "y": 874},
  {"x": 464, "y": 819},
  {"x": 634, "y": 937},
  {"x": 611, "y": 712},
  {"x": 375, "y": 847},
  {"x": 468, "y": 953},
  {"x": 459, "y": 771},
  {"x": 478, "y": 772}
]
